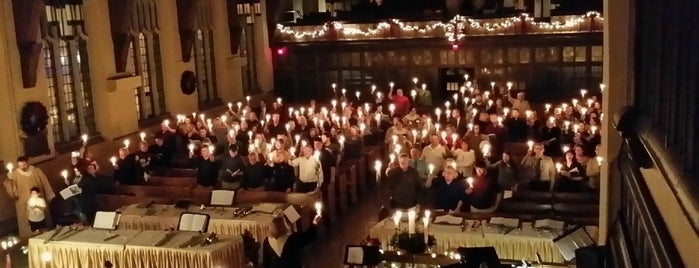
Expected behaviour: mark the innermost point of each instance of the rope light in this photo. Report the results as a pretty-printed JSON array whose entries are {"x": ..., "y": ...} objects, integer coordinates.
[{"x": 453, "y": 30}]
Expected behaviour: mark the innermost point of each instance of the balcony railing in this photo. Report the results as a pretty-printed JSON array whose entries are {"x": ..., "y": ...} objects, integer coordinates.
[{"x": 454, "y": 30}]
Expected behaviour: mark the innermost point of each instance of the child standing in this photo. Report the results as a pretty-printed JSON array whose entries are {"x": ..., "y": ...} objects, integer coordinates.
[{"x": 37, "y": 208}]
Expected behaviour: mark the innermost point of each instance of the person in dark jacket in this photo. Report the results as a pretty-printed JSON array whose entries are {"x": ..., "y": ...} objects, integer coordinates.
[
  {"x": 283, "y": 249},
  {"x": 254, "y": 173},
  {"x": 91, "y": 184},
  {"x": 160, "y": 154},
  {"x": 125, "y": 168},
  {"x": 232, "y": 168},
  {"x": 404, "y": 183},
  {"x": 281, "y": 173},
  {"x": 207, "y": 168}
]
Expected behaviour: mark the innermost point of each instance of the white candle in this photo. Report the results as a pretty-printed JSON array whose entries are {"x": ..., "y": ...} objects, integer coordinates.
[
  {"x": 166, "y": 122},
  {"x": 377, "y": 167},
  {"x": 396, "y": 218},
  {"x": 599, "y": 160},
  {"x": 392, "y": 108},
  {"x": 230, "y": 106},
  {"x": 559, "y": 166},
  {"x": 9, "y": 167},
  {"x": 64, "y": 174},
  {"x": 530, "y": 143},
  {"x": 411, "y": 221},
  {"x": 392, "y": 157},
  {"x": 127, "y": 142},
  {"x": 113, "y": 160},
  {"x": 240, "y": 105},
  {"x": 84, "y": 138},
  {"x": 438, "y": 112},
  {"x": 319, "y": 208},
  {"x": 247, "y": 98},
  {"x": 413, "y": 94},
  {"x": 414, "y": 81},
  {"x": 430, "y": 168},
  {"x": 191, "y": 148},
  {"x": 425, "y": 223},
  {"x": 548, "y": 107},
  {"x": 509, "y": 86},
  {"x": 470, "y": 182},
  {"x": 143, "y": 136}
]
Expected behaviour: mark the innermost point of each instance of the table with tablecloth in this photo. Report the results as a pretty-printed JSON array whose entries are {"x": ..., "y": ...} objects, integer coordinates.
[
  {"x": 221, "y": 221},
  {"x": 518, "y": 244},
  {"x": 90, "y": 248}
]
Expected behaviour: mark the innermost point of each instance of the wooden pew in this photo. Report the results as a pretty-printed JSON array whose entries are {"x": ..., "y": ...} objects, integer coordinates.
[
  {"x": 106, "y": 202},
  {"x": 525, "y": 208},
  {"x": 172, "y": 181},
  {"x": 533, "y": 196},
  {"x": 576, "y": 210},
  {"x": 576, "y": 198},
  {"x": 353, "y": 183},
  {"x": 175, "y": 172}
]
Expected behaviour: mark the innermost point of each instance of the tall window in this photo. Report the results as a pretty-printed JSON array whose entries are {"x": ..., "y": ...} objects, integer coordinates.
[
  {"x": 71, "y": 112},
  {"x": 145, "y": 52},
  {"x": 247, "y": 12},
  {"x": 204, "y": 56}
]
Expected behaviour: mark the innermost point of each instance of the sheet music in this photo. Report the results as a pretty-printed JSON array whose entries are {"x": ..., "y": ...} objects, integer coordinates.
[
  {"x": 292, "y": 214},
  {"x": 105, "y": 220},
  {"x": 355, "y": 255},
  {"x": 70, "y": 191},
  {"x": 448, "y": 219},
  {"x": 510, "y": 222},
  {"x": 222, "y": 197},
  {"x": 192, "y": 222}
]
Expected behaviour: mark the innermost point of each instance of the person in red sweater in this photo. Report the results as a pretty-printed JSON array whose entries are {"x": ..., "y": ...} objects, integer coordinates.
[{"x": 401, "y": 102}]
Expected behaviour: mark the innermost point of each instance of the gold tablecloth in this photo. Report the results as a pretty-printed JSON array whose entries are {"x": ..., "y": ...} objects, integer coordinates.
[
  {"x": 516, "y": 245},
  {"x": 140, "y": 252},
  {"x": 132, "y": 248},
  {"x": 160, "y": 217}
]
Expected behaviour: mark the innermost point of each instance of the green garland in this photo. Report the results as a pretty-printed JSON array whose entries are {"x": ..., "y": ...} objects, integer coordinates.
[
  {"x": 34, "y": 118},
  {"x": 413, "y": 244}
]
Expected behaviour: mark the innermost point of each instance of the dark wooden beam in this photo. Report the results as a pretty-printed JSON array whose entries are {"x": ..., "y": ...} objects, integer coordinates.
[
  {"x": 27, "y": 16},
  {"x": 120, "y": 14},
  {"x": 186, "y": 21}
]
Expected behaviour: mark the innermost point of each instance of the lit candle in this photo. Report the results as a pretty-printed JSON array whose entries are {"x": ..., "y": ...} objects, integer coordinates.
[
  {"x": 377, "y": 117},
  {"x": 191, "y": 148},
  {"x": 593, "y": 129},
  {"x": 415, "y": 80},
  {"x": 143, "y": 136},
  {"x": 474, "y": 112},
  {"x": 559, "y": 166},
  {"x": 319, "y": 207},
  {"x": 333, "y": 103},
  {"x": 249, "y": 135},
  {"x": 358, "y": 94},
  {"x": 202, "y": 117},
  {"x": 486, "y": 149},
  {"x": 447, "y": 104},
  {"x": 373, "y": 88},
  {"x": 341, "y": 140},
  {"x": 362, "y": 127},
  {"x": 565, "y": 148},
  {"x": 9, "y": 167},
  {"x": 599, "y": 160},
  {"x": 505, "y": 111},
  {"x": 377, "y": 167},
  {"x": 247, "y": 98},
  {"x": 601, "y": 87},
  {"x": 113, "y": 160},
  {"x": 590, "y": 102},
  {"x": 166, "y": 122},
  {"x": 470, "y": 182},
  {"x": 437, "y": 127},
  {"x": 333, "y": 85},
  {"x": 396, "y": 218},
  {"x": 391, "y": 108},
  {"x": 127, "y": 142},
  {"x": 470, "y": 126},
  {"x": 413, "y": 94},
  {"x": 509, "y": 86},
  {"x": 279, "y": 100},
  {"x": 392, "y": 157},
  {"x": 456, "y": 98},
  {"x": 343, "y": 91},
  {"x": 240, "y": 105},
  {"x": 230, "y": 106},
  {"x": 64, "y": 174},
  {"x": 292, "y": 150},
  {"x": 438, "y": 112},
  {"x": 528, "y": 113},
  {"x": 583, "y": 92},
  {"x": 548, "y": 107},
  {"x": 424, "y": 86},
  {"x": 466, "y": 77},
  {"x": 530, "y": 143},
  {"x": 492, "y": 85},
  {"x": 430, "y": 168},
  {"x": 486, "y": 94},
  {"x": 425, "y": 223},
  {"x": 84, "y": 138},
  {"x": 575, "y": 102},
  {"x": 412, "y": 215},
  {"x": 500, "y": 120}
]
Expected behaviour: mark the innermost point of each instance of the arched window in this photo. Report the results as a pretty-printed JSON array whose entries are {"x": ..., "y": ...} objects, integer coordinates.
[
  {"x": 71, "y": 113},
  {"x": 145, "y": 52},
  {"x": 204, "y": 57}
]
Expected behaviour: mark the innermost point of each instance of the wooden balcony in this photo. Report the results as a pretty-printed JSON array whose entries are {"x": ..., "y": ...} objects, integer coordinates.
[{"x": 453, "y": 30}]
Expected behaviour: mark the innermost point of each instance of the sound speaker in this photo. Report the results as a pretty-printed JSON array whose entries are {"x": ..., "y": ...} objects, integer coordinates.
[
  {"x": 627, "y": 123},
  {"x": 591, "y": 257}
]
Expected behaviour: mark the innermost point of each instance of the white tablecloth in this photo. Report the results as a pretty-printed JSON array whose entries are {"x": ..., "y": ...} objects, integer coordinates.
[
  {"x": 519, "y": 244},
  {"x": 131, "y": 248}
]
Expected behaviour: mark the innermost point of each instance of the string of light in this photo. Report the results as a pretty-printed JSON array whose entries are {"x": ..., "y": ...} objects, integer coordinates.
[{"x": 453, "y": 30}]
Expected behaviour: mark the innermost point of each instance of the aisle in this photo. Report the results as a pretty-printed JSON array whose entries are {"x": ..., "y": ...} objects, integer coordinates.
[{"x": 351, "y": 228}]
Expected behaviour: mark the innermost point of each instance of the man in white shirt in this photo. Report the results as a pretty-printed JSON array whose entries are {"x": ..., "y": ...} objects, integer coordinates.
[
  {"x": 310, "y": 171},
  {"x": 434, "y": 154}
]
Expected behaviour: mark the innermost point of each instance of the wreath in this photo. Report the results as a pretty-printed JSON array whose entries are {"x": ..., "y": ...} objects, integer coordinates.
[{"x": 34, "y": 119}]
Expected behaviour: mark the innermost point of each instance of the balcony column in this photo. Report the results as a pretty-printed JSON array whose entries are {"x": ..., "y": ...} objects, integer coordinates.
[{"x": 618, "y": 76}]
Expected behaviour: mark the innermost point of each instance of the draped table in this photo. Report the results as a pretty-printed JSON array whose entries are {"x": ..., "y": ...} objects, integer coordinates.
[
  {"x": 520, "y": 244},
  {"x": 90, "y": 248},
  {"x": 221, "y": 221}
]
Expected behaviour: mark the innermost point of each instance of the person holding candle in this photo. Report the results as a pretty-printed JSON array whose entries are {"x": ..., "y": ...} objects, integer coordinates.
[
  {"x": 281, "y": 174},
  {"x": 206, "y": 165},
  {"x": 538, "y": 169},
  {"x": 275, "y": 127},
  {"x": 550, "y": 137},
  {"x": 519, "y": 103},
  {"x": 18, "y": 184},
  {"x": 125, "y": 168},
  {"x": 284, "y": 249},
  {"x": 37, "y": 210},
  {"x": 465, "y": 159},
  {"x": 474, "y": 138},
  {"x": 310, "y": 178},
  {"x": 91, "y": 183},
  {"x": 168, "y": 136},
  {"x": 571, "y": 175},
  {"x": 327, "y": 156},
  {"x": 507, "y": 170},
  {"x": 594, "y": 167},
  {"x": 143, "y": 158},
  {"x": 401, "y": 102},
  {"x": 482, "y": 192},
  {"x": 254, "y": 173},
  {"x": 458, "y": 121},
  {"x": 353, "y": 145},
  {"x": 516, "y": 127},
  {"x": 412, "y": 119},
  {"x": 406, "y": 188},
  {"x": 449, "y": 190},
  {"x": 160, "y": 153},
  {"x": 423, "y": 99},
  {"x": 435, "y": 152}
]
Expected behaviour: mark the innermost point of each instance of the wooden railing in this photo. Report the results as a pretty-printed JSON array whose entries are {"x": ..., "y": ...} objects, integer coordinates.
[{"x": 639, "y": 236}]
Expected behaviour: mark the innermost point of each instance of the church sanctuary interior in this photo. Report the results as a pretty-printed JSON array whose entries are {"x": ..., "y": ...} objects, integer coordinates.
[{"x": 349, "y": 133}]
